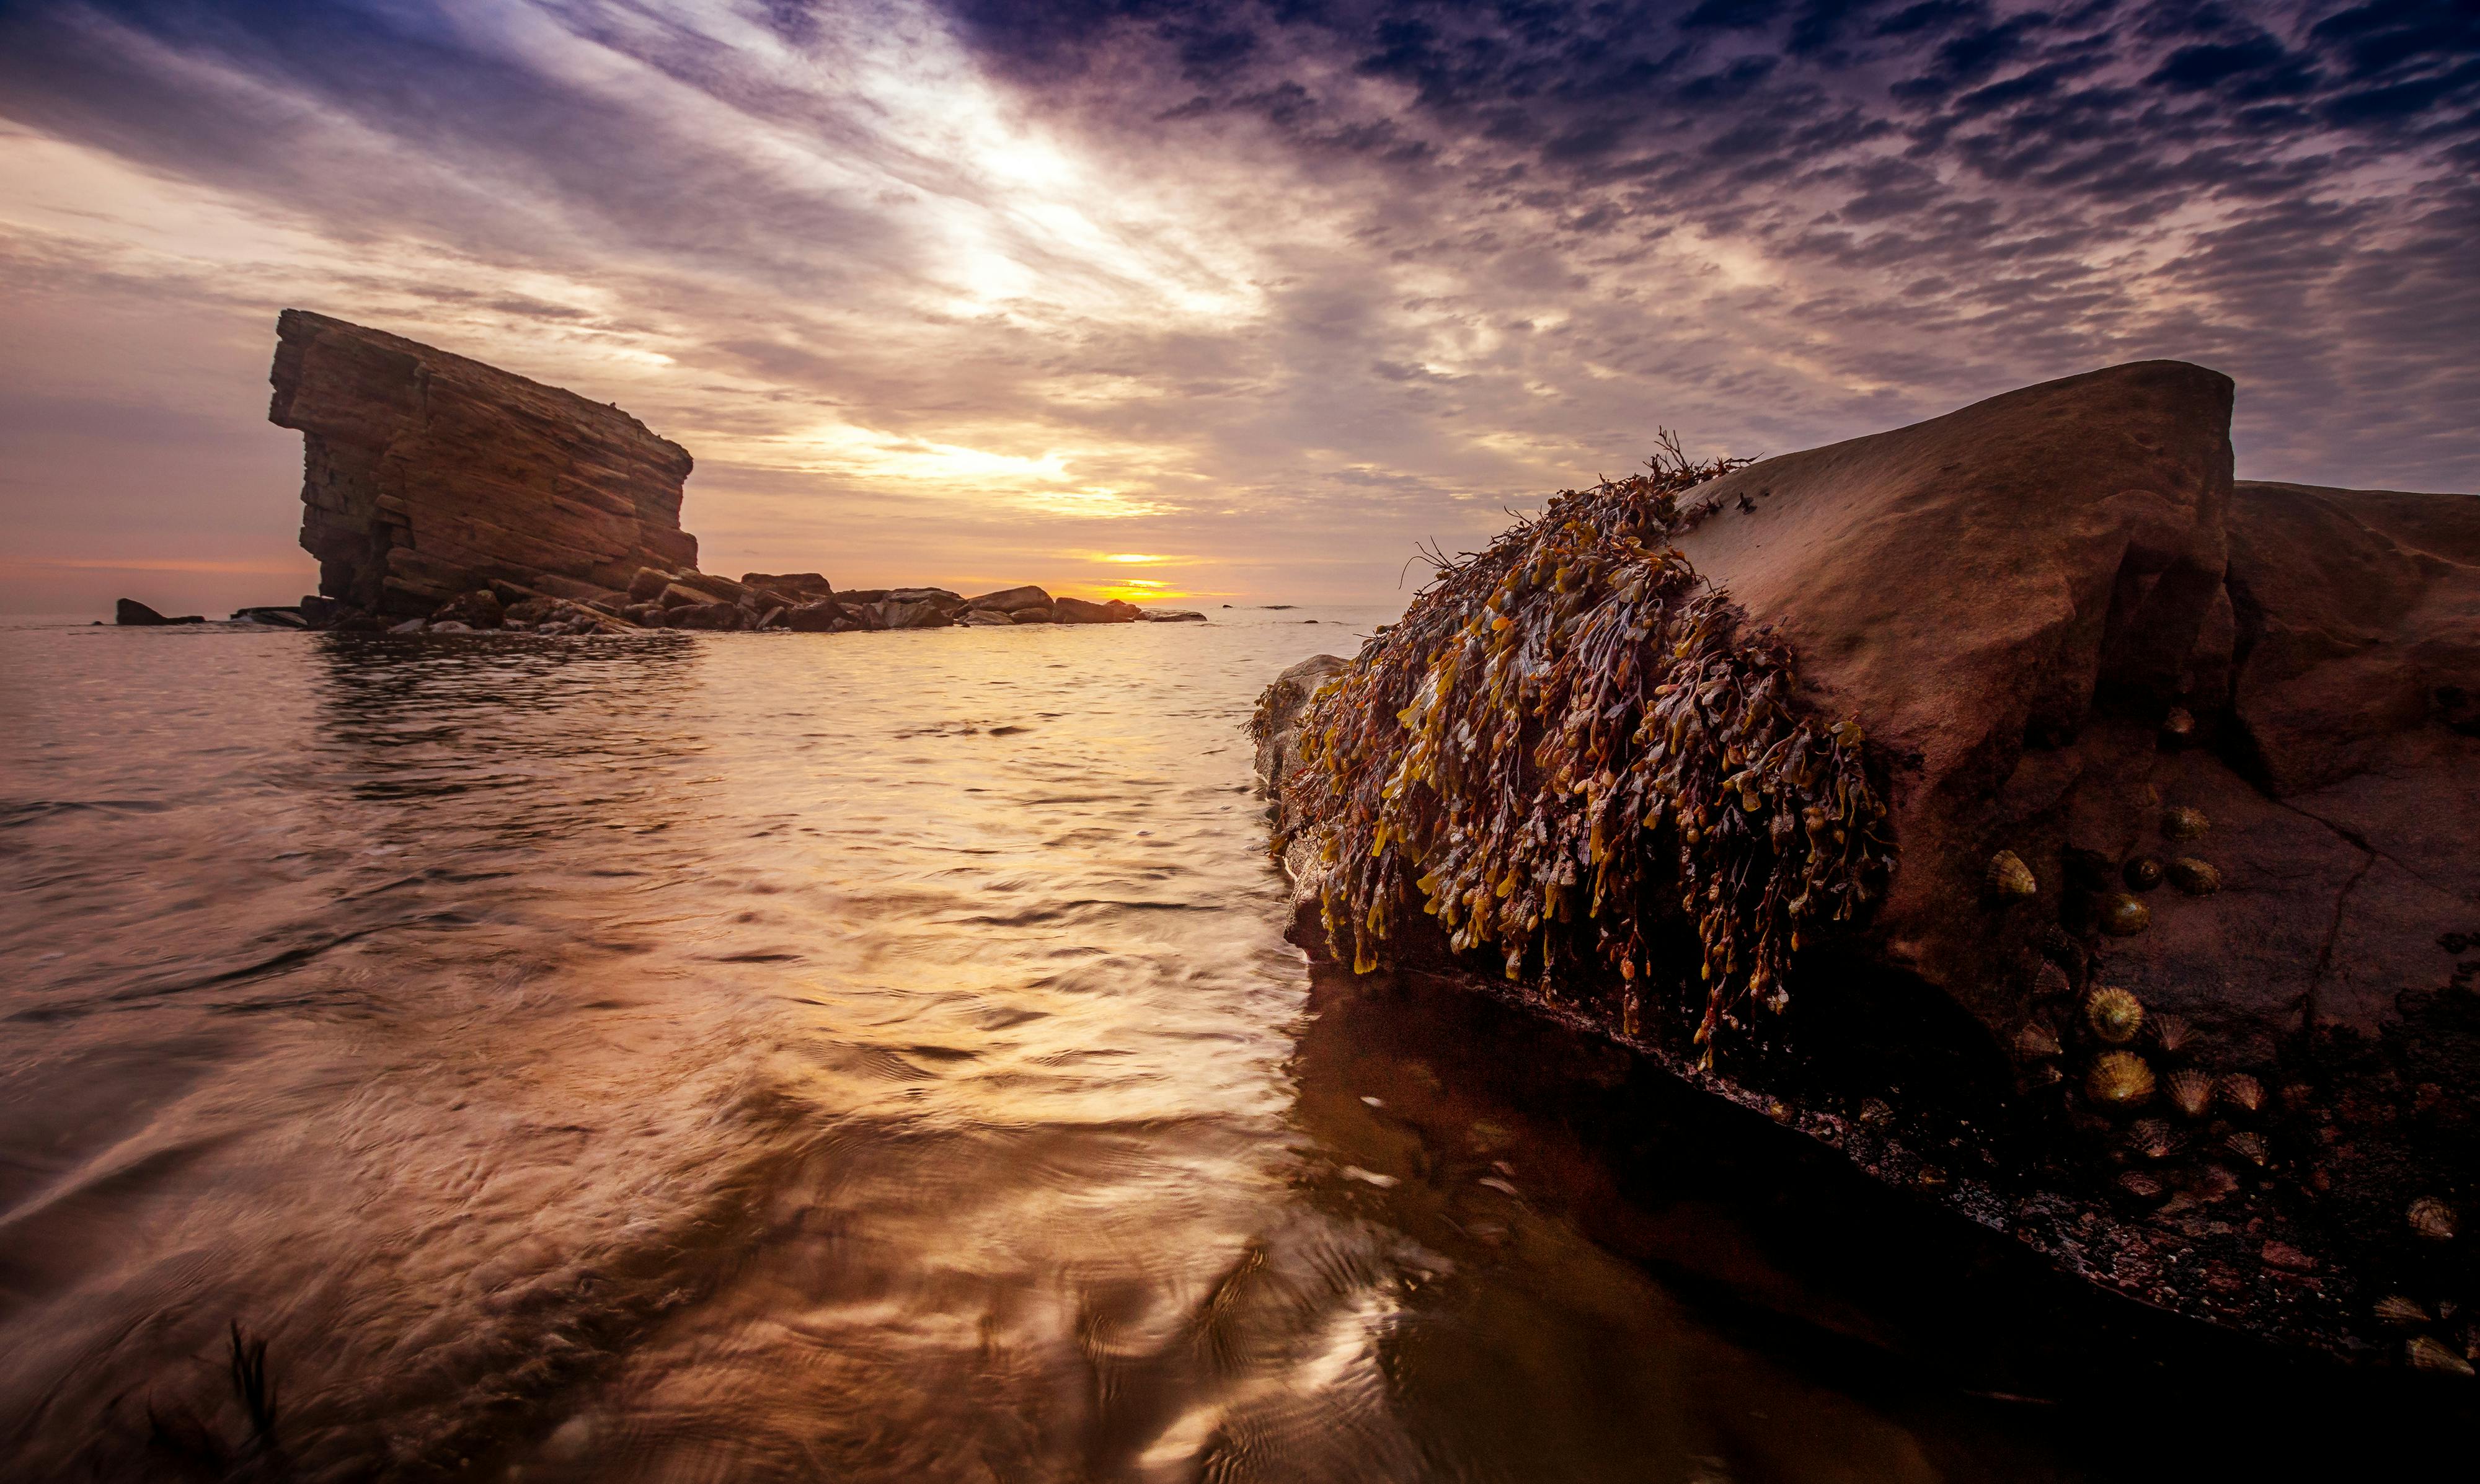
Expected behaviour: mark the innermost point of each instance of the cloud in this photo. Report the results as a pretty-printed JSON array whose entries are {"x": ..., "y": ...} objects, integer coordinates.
[{"x": 974, "y": 293}]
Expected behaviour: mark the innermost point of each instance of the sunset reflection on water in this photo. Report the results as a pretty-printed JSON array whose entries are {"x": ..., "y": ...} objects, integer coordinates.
[{"x": 750, "y": 1057}]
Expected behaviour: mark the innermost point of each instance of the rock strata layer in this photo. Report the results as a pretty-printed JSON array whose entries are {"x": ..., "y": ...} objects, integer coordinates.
[
  {"x": 2209, "y": 746},
  {"x": 426, "y": 474}
]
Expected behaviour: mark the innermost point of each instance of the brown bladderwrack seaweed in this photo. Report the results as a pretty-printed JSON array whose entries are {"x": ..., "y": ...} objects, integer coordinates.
[{"x": 1570, "y": 743}]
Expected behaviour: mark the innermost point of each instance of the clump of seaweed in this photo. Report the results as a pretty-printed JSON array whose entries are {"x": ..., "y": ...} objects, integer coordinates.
[{"x": 1572, "y": 743}]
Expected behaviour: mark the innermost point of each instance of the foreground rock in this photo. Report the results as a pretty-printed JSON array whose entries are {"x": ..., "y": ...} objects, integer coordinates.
[
  {"x": 426, "y": 475},
  {"x": 2178, "y": 976}
]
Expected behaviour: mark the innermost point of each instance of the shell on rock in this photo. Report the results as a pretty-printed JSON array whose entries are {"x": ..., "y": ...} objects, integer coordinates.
[
  {"x": 2141, "y": 873},
  {"x": 1873, "y": 1111},
  {"x": 2141, "y": 1186},
  {"x": 2184, "y": 824},
  {"x": 2119, "y": 1079},
  {"x": 2432, "y": 1218},
  {"x": 2114, "y": 1014},
  {"x": 2426, "y": 1354},
  {"x": 2196, "y": 878},
  {"x": 2124, "y": 916},
  {"x": 2211, "y": 1183},
  {"x": 2248, "y": 1148},
  {"x": 2172, "y": 1034},
  {"x": 2045, "y": 1075},
  {"x": 2191, "y": 1091},
  {"x": 2035, "y": 1041},
  {"x": 2009, "y": 878},
  {"x": 2178, "y": 726},
  {"x": 2395, "y": 1309},
  {"x": 2242, "y": 1092},
  {"x": 2151, "y": 1138}
]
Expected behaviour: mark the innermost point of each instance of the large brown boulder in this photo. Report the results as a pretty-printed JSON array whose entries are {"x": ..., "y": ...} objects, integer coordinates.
[
  {"x": 2071, "y": 638},
  {"x": 426, "y": 475}
]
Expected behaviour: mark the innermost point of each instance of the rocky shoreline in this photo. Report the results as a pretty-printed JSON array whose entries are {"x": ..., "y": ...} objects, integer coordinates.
[{"x": 2167, "y": 973}]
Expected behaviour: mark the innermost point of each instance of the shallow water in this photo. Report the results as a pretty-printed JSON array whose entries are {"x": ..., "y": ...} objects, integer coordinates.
[{"x": 775, "y": 1057}]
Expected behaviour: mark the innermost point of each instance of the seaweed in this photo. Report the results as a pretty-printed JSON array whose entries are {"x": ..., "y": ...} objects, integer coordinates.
[{"x": 1572, "y": 747}]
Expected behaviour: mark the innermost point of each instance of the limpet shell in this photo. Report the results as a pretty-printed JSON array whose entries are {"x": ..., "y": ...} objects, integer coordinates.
[
  {"x": 2151, "y": 1138},
  {"x": 2178, "y": 726},
  {"x": 2114, "y": 1014},
  {"x": 2141, "y": 873},
  {"x": 2192, "y": 1092},
  {"x": 2118, "y": 1080},
  {"x": 2035, "y": 1041},
  {"x": 2196, "y": 878},
  {"x": 1873, "y": 1111},
  {"x": 2141, "y": 1186},
  {"x": 2242, "y": 1092},
  {"x": 2009, "y": 878},
  {"x": 2248, "y": 1148},
  {"x": 2184, "y": 824},
  {"x": 2426, "y": 1354},
  {"x": 2395, "y": 1309},
  {"x": 2432, "y": 1218},
  {"x": 2172, "y": 1034},
  {"x": 2124, "y": 916}
]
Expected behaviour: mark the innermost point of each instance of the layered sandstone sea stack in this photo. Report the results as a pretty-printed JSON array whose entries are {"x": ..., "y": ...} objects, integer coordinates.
[
  {"x": 426, "y": 475},
  {"x": 2170, "y": 965},
  {"x": 444, "y": 496}
]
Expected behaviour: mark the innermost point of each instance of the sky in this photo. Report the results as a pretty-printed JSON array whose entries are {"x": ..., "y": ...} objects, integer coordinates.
[{"x": 1201, "y": 303}]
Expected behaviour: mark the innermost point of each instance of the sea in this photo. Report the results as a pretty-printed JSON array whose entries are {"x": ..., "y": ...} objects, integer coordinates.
[{"x": 862, "y": 1057}]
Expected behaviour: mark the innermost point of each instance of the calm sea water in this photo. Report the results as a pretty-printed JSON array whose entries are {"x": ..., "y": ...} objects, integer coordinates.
[{"x": 783, "y": 1056}]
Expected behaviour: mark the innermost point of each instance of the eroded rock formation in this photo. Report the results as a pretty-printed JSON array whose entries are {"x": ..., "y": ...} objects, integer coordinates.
[
  {"x": 426, "y": 475},
  {"x": 2231, "y": 734}
]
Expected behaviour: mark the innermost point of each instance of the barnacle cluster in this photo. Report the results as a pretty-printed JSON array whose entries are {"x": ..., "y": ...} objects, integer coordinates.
[{"x": 1572, "y": 746}]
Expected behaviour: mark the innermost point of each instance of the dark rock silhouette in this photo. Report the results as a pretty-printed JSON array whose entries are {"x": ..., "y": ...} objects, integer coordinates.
[{"x": 130, "y": 613}]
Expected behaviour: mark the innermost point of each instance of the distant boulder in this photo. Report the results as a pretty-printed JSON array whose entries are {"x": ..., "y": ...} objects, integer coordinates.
[
  {"x": 1170, "y": 616},
  {"x": 1076, "y": 610},
  {"x": 130, "y": 613},
  {"x": 892, "y": 612},
  {"x": 1010, "y": 600},
  {"x": 801, "y": 586},
  {"x": 939, "y": 598}
]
